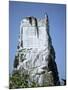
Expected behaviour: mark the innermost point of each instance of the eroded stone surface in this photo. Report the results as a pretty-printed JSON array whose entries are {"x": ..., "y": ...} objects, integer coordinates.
[{"x": 35, "y": 53}]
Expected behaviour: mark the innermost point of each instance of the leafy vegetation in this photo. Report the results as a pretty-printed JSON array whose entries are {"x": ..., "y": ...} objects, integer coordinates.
[
  {"x": 18, "y": 80},
  {"x": 21, "y": 80}
]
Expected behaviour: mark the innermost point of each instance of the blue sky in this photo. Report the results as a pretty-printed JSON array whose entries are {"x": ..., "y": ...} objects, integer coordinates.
[{"x": 57, "y": 23}]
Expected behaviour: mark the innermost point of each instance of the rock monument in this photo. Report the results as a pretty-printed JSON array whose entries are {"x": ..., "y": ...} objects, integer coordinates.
[{"x": 35, "y": 54}]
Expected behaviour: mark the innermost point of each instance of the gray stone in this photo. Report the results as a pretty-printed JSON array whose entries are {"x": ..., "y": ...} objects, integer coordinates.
[{"x": 35, "y": 52}]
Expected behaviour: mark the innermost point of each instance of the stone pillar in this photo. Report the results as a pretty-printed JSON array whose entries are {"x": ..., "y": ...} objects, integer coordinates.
[{"x": 38, "y": 52}]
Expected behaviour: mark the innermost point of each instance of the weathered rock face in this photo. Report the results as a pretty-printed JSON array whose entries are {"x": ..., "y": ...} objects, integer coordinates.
[{"x": 35, "y": 54}]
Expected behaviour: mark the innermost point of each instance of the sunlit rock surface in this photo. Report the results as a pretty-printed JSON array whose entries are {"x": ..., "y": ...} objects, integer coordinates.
[{"x": 35, "y": 54}]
